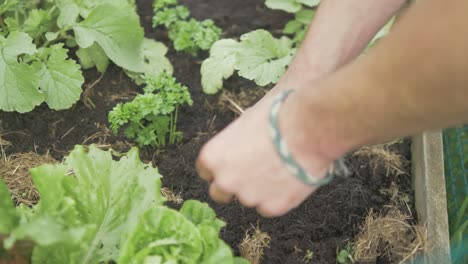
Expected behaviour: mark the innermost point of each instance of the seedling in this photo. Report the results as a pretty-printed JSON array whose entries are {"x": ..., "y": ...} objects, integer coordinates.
[
  {"x": 345, "y": 255},
  {"x": 308, "y": 256}
]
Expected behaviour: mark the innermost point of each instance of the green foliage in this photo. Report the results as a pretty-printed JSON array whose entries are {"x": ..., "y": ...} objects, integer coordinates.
[
  {"x": 34, "y": 39},
  {"x": 94, "y": 209},
  {"x": 299, "y": 26},
  {"x": 345, "y": 255},
  {"x": 187, "y": 34},
  {"x": 291, "y": 6},
  {"x": 258, "y": 56},
  {"x": 152, "y": 116}
]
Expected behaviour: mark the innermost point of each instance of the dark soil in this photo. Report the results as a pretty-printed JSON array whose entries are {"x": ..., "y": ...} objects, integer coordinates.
[{"x": 324, "y": 222}]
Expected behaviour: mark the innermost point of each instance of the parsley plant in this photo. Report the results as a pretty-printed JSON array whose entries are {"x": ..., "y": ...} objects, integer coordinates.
[
  {"x": 186, "y": 33},
  {"x": 152, "y": 116}
]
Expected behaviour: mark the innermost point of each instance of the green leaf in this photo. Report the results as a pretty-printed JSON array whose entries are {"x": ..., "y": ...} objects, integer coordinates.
[
  {"x": 88, "y": 204},
  {"x": 169, "y": 16},
  {"x": 69, "y": 13},
  {"x": 117, "y": 31},
  {"x": 164, "y": 233},
  {"x": 219, "y": 66},
  {"x": 192, "y": 36},
  {"x": 86, "y": 6},
  {"x": 305, "y": 16},
  {"x": 61, "y": 78},
  {"x": 9, "y": 219},
  {"x": 384, "y": 31},
  {"x": 291, "y": 6},
  {"x": 258, "y": 56},
  {"x": 19, "y": 81},
  {"x": 293, "y": 27},
  {"x": 37, "y": 23},
  {"x": 214, "y": 249},
  {"x": 154, "y": 60},
  {"x": 263, "y": 58},
  {"x": 12, "y": 24},
  {"x": 51, "y": 36},
  {"x": 93, "y": 56},
  {"x": 201, "y": 214},
  {"x": 310, "y": 3}
]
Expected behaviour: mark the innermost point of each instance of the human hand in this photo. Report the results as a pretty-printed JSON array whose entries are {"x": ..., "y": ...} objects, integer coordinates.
[{"x": 241, "y": 162}]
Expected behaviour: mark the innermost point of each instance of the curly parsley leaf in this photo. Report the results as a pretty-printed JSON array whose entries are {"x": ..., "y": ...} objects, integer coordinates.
[
  {"x": 187, "y": 34},
  {"x": 152, "y": 117},
  {"x": 168, "y": 16}
]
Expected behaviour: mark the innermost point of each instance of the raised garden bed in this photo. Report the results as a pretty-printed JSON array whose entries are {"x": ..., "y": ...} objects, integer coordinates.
[{"x": 313, "y": 233}]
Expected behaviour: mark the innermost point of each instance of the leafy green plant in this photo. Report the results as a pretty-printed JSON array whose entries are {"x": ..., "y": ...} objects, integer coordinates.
[
  {"x": 345, "y": 255},
  {"x": 34, "y": 39},
  {"x": 309, "y": 256},
  {"x": 258, "y": 56},
  {"x": 94, "y": 209},
  {"x": 187, "y": 34},
  {"x": 300, "y": 24},
  {"x": 152, "y": 116}
]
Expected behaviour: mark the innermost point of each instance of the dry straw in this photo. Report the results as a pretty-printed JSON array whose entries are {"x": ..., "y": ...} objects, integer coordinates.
[
  {"x": 254, "y": 244},
  {"x": 15, "y": 172},
  {"x": 389, "y": 235},
  {"x": 381, "y": 156}
]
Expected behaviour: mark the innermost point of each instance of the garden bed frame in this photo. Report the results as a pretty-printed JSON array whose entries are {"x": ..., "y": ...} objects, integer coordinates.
[{"x": 430, "y": 194}]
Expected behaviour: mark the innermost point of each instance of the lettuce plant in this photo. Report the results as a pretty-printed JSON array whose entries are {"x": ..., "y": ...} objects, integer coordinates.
[
  {"x": 152, "y": 116},
  {"x": 187, "y": 34},
  {"x": 35, "y": 37},
  {"x": 95, "y": 209}
]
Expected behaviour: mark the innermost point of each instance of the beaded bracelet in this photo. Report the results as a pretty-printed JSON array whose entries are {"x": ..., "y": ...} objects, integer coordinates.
[{"x": 337, "y": 168}]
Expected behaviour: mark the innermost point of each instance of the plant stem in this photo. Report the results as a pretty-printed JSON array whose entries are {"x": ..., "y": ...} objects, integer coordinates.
[{"x": 173, "y": 125}]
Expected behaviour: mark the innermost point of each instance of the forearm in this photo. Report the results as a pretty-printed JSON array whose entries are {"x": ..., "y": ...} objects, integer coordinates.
[
  {"x": 339, "y": 33},
  {"x": 414, "y": 80}
]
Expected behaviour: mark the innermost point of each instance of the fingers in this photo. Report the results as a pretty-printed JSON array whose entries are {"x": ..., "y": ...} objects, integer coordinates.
[
  {"x": 219, "y": 195},
  {"x": 203, "y": 172}
]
